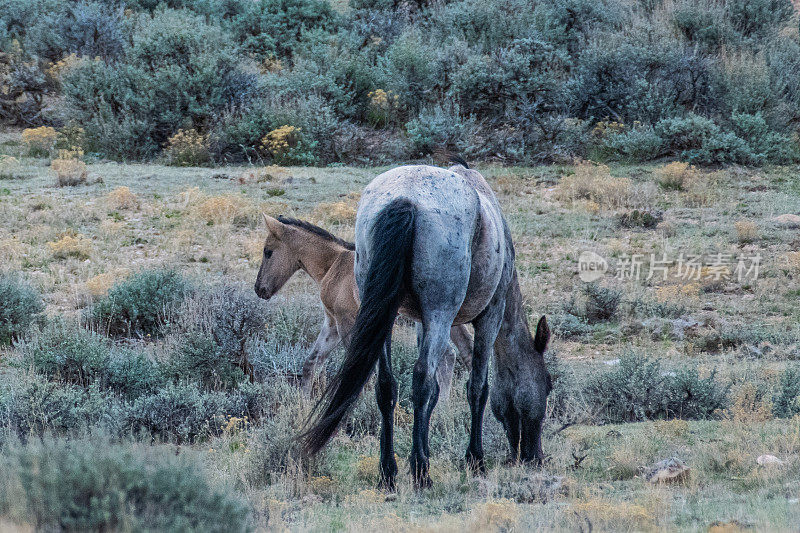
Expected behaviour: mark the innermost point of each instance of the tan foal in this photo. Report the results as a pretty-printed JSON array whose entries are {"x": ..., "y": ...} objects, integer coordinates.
[{"x": 293, "y": 245}]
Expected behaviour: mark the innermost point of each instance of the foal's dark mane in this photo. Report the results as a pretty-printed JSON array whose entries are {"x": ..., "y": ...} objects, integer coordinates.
[{"x": 316, "y": 230}]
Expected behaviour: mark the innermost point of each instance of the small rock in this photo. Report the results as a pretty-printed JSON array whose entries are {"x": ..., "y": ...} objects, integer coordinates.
[
  {"x": 768, "y": 460},
  {"x": 669, "y": 471},
  {"x": 787, "y": 221},
  {"x": 611, "y": 362}
]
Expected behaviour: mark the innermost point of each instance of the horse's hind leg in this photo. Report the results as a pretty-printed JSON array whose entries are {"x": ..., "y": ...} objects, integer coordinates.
[
  {"x": 425, "y": 391},
  {"x": 327, "y": 340},
  {"x": 386, "y": 394},
  {"x": 487, "y": 326}
]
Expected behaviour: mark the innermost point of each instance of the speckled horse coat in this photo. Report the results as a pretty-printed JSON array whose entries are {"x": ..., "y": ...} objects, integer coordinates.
[{"x": 433, "y": 243}]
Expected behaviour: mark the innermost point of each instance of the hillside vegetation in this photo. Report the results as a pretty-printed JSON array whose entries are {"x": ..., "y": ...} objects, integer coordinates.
[{"x": 307, "y": 82}]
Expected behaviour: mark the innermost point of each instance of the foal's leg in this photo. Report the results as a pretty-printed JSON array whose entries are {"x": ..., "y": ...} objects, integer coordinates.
[
  {"x": 386, "y": 394},
  {"x": 327, "y": 340},
  {"x": 463, "y": 341},
  {"x": 487, "y": 326},
  {"x": 425, "y": 391}
]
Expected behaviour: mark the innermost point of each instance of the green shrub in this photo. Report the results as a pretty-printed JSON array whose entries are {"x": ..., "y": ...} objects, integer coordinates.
[
  {"x": 229, "y": 317},
  {"x": 69, "y": 354},
  {"x": 699, "y": 140},
  {"x": 638, "y": 389},
  {"x": 98, "y": 485},
  {"x": 32, "y": 405},
  {"x": 689, "y": 396},
  {"x": 759, "y": 18},
  {"x": 268, "y": 28},
  {"x": 178, "y": 72},
  {"x": 601, "y": 302},
  {"x": 132, "y": 374},
  {"x": 567, "y": 325},
  {"x": 635, "y": 144},
  {"x": 786, "y": 400},
  {"x": 437, "y": 127},
  {"x": 201, "y": 360},
  {"x": 185, "y": 413},
  {"x": 87, "y": 29},
  {"x": 142, "y": 305},
  {"x": 632, "y": 391},
  {"x": 21, "y": 307}
]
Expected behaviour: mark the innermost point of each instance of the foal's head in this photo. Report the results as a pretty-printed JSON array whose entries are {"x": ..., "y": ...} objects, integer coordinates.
[{"x": 279, "y": 261}]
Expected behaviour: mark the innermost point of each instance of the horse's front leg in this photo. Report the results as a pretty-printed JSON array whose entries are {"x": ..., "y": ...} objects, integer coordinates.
[
  {"x": 386, "y": 394},
  {"x": 487, "y": 326},
  {"x": 326, "y": 342},
  {"x": 425, "y": 393}
]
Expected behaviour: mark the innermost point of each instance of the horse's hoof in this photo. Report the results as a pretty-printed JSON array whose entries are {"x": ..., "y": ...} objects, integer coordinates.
[{"x": 423, "y": 482}]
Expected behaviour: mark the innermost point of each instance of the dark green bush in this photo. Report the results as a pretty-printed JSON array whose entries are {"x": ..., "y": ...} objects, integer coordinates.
[
  {"x": 201, "y": 360},
  {"x": 632, "y": 391},
  {"x": 634, "y": 144},
  {"x": 185, "y": 413},
  {"x": 437, "y": 127},
  {"x": 223, "y": 320},
  {"x": 142, "y": 305},
  {"x": 87, "y": 29},
  {"x": 132, "y": 374},
  {"x": 638, "y": 389},
  {"x": 759, "y": 18},
  {"x": 267, "y": 28},
  {"x": 69, "y": 355},
  {"x": 35, "y": 406},
  {"x": 177, "y": 72},
  {"x": 689, "y": 396},
  {"x": 786, "y": 400},
  {"x": 601, "y": 302},
  {"x": 21, "y": 307},
  {"x": 97, "y": 485}
]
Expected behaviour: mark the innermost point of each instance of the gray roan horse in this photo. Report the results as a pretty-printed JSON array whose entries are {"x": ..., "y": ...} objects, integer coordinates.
[{"x": 434, "y": 243}]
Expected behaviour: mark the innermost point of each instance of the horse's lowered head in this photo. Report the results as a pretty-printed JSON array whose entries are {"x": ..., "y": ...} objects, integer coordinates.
[
  {"x": 519, "y": 398},
  {"x": 278, "y": 262}
]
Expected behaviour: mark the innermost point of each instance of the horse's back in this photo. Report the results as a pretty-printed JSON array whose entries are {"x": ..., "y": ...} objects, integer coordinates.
[{"x": 458, "y": 249}]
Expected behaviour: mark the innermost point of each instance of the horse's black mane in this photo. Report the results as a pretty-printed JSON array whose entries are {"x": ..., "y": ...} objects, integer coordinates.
[{"x": 316, "y": 230}]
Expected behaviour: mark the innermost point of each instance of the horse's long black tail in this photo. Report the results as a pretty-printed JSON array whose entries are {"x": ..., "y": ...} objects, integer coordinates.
[{"x": 391, "y": 247}]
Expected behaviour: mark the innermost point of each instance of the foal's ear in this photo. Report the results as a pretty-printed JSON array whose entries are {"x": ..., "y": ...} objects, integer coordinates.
[
  {"x": 542, "y": 335},
  {"x": 274, "y": 225}
]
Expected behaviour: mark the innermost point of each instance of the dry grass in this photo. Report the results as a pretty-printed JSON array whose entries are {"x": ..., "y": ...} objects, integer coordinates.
[
  {"x": 98, "y": 286},
  {"x": 122, "y": 198},
  {"x": 335, "y": 212},
  {"x": 77, "y": 246},
  {"x": 220, "y": 209},
  {"x": 594, "y": 183},
  {"x": 676, "y": 175},
  {"x": 69, "y": 171}
]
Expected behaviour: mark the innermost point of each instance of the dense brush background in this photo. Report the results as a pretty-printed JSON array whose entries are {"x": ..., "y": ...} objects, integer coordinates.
[{"x": 710, "y": 81}]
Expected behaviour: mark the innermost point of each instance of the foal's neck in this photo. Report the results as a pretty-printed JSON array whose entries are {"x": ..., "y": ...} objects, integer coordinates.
[{"x": 317, "y": 256}]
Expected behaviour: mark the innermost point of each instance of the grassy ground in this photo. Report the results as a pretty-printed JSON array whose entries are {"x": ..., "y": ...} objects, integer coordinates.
[{"x": 73, "y": 243}]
